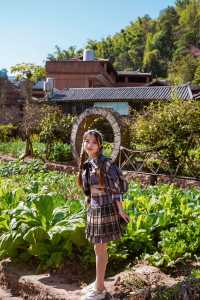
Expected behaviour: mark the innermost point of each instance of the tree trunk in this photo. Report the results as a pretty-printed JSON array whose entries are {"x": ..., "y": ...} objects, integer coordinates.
[{"x": 28, "y": 148}]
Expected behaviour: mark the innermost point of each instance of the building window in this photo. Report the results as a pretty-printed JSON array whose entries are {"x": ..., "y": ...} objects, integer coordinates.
[{"x": 91, "y": 83}]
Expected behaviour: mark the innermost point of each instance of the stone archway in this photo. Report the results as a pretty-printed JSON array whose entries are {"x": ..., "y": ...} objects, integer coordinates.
[{"x": 86, "y": 118}]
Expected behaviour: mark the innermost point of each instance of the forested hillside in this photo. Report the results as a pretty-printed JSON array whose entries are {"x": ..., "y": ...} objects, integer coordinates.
[{"x": 168, "y": 46}]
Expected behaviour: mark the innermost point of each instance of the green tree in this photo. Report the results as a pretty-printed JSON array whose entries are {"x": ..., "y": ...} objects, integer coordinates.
[
  {"x": 129, "y": 44},
  {"x": 31, "y": 117},
  {"x": 171, "y": 129},
  {"x": 183, "y": 69},
  {"x": 60, "y": 54},
  {"x": 188, "y": 28},
  {"x": 160, "y": 43},
  {"x": 180, "y": 4},
  {"x": 54, "y": 126},
  {"x": 30, "y": 71},
  {"x": 151, "y": 58}
]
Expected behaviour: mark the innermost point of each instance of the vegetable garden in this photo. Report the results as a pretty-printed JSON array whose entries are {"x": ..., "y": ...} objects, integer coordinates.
[
  {"x": 43, "y": 213},
  {"x": 43, "y": 218}
]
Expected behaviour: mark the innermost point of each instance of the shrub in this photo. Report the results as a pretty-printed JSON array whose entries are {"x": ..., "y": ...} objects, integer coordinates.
[
  {"x": 55, "y": 127},
  {"x": 6, "y": 132},
  {"x": 61, "y": 153},
  {"x": 171, "y": 129}
]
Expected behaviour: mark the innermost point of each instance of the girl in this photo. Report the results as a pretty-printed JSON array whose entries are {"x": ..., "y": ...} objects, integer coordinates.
[{"x": 99, "y": 179}]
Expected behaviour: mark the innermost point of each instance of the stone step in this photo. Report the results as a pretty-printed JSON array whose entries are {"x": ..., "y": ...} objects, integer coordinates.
[
  {"x": 6, "y": 295},
  {"x": 44, "y": 286}
]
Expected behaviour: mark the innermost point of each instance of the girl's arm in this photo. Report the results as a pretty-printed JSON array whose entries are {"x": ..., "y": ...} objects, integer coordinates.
[
  {"x": 113, "y": 181},
  {"x": 114, "y": 185},
  {"x": 124, "y": 215}
]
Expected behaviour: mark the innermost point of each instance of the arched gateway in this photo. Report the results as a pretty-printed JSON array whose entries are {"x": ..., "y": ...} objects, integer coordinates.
[{"x": 85, "y": 120}]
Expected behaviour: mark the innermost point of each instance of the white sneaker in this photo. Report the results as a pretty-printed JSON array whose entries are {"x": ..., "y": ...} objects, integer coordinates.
[
  {"x": 94, "y": 295},
  {"x": 89, "y": 287}
]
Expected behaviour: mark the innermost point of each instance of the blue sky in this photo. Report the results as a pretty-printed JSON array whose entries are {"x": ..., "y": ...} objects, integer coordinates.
[{"x": 29, "y": 29}]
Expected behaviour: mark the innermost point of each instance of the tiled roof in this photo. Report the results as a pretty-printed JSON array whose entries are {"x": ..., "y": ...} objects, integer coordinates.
[
  {"x": 123, "y": 93},
  {"x": 133, "y": 73}
]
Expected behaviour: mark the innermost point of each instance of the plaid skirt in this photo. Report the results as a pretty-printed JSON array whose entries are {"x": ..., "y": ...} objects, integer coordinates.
[{"x": 103, "y": 224}]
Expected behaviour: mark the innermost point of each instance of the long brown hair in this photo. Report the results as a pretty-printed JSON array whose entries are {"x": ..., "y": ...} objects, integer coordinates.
[{"x": 83, "y": 155}]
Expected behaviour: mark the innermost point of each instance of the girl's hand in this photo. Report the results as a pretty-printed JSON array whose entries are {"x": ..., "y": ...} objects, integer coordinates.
[
  {"x": 87, "y": 201},
  {"x": 124, "y": 216},
  {"x": 121, "y": 213}
]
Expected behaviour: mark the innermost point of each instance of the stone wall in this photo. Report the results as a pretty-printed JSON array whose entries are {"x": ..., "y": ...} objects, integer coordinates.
[{"x": 10, "y": 103}]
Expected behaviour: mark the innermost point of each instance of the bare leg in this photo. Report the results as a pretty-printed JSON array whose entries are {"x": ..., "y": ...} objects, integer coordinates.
[{"x": 101, "y": 263}]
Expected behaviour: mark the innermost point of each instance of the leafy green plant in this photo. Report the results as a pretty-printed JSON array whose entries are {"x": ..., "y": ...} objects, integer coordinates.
[
  {"x": 61, "y": 153},
  {"x": 42, "y": 229},
  {"x": 18, "y": 167},
  {"x": 164, "y": 225},
  {"x": 195, "y": 273}
]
